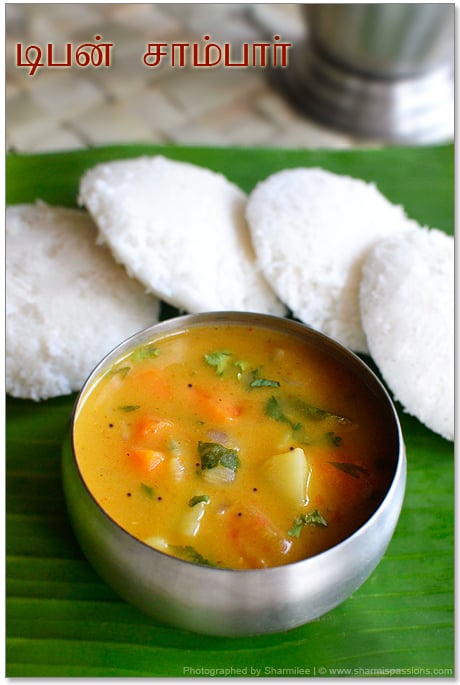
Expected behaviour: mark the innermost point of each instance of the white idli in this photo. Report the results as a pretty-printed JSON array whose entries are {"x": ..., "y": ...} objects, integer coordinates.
[
  {"x": 311, "y": 230},
  {"x": 407, "y": 309},
  {"x": 181, "y": 230},
  {"x": 67, "y": 301}
]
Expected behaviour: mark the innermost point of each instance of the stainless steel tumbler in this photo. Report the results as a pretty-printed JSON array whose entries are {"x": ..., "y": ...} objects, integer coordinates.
[{"x": 378, "y": 70}]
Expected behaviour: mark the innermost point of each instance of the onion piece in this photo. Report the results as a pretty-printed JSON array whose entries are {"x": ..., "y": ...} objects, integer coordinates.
[
  {"x": 177, "y": 468},
  {"x": 191, "y": 521},
  {"x": 219, "y": 475},
  {"x": 218, "y": 436}
]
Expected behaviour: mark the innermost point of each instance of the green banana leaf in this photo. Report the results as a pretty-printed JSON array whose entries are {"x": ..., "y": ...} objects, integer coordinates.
[{"x": 63, "y": 621}]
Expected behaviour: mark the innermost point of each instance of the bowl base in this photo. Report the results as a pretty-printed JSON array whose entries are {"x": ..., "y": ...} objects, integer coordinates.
[{"x": 412, "y": 110}]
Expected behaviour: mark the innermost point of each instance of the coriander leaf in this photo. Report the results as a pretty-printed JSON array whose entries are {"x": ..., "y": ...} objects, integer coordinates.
[
  {"x": 313, "y": 413},
  {"x": 353, "y": 470},
  {"x": 258, "y": 382},
  {"x": 263, "y": 383},
  {"x": 129, "y": 407},
  {"x": 218, "y": 359},
  {"x": 146, "y": 352},
  {"x": 197, "y": 499},
  {"x": 313, "y": 518},
  {"x": 332, "y": 438},
  {"x": 297, "y": 528},
  {"x": 122, "y": 370},
  {"x": 297, "y": 407},
  {"x": 212, "y": 454},
  {"x": 241, "y": 365},
  {"x": 147, "y": 490},
  {"x": 190, "y": 554},
  {"x": 274, "y": 411}
]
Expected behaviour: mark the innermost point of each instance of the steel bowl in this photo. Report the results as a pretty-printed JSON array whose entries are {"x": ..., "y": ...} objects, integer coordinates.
[{"x": 227, "y": 602}]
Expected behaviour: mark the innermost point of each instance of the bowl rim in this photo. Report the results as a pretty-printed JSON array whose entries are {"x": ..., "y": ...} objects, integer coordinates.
[{"x": 176, "y": 324}]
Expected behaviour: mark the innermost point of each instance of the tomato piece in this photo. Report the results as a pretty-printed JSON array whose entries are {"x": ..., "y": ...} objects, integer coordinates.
[{"x": 256, "y": 539}]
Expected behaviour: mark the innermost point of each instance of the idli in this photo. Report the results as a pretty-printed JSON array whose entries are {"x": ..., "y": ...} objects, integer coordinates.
[
  {"x": 68, "y": 303},
  {"x": 311, "y": 231},
  {"x": 407, "y": 309},
  {"x": 180, "y": 229}
]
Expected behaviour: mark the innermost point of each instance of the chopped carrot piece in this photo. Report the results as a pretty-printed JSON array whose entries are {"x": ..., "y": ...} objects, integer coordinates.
[
  {"x": 146, "y": 459},
  {"x": 147, "y": 427},
  {"x": 215, "y": 407},
  {"x": 155, "y": 382}
]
